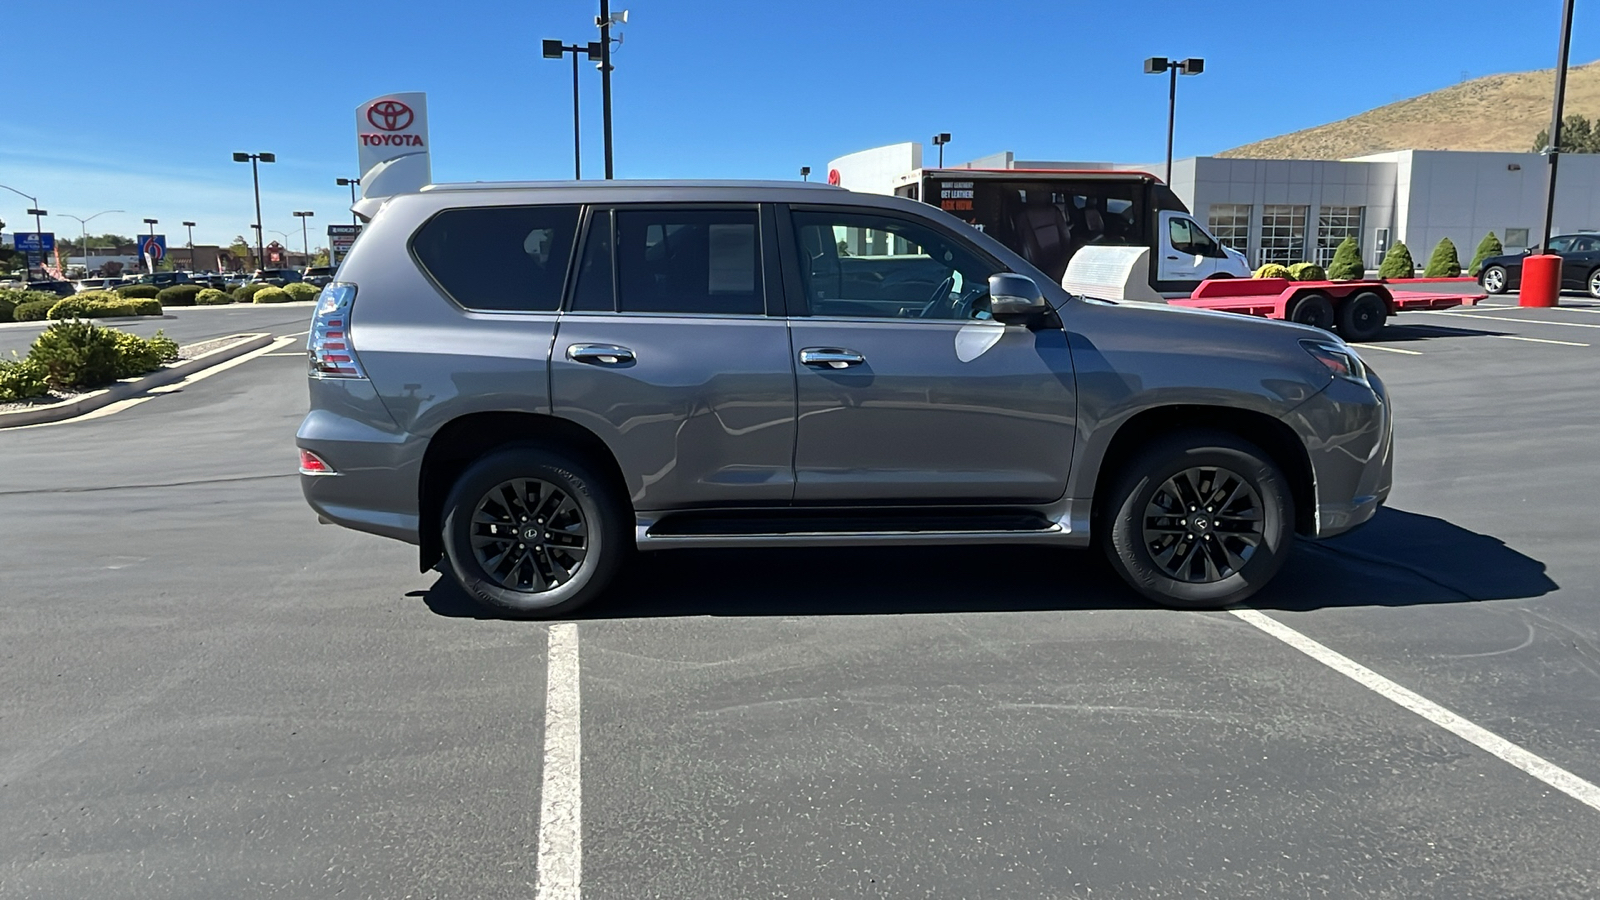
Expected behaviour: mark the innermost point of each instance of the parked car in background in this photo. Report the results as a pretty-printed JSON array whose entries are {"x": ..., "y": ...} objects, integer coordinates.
[
  {"x": 319, "y": 275},
  {"x": 277, "y": 277},
  {"x": 59, "y": 288},
  {"x": 1580, "y": 265},
  {"x": 97, "y": 284},
  {"x": 160, "y": 279}
]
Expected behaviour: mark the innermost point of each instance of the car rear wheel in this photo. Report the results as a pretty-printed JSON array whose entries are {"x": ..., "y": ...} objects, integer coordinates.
[
  {"x": 1361, "y": 317},
  {"x": 1594, "y": 284},
  {"x": 1198, "y": 520},
  {"x": 1314, "y": 309},
  {"x": 1495, "y": 280},
  {"x": 531, "y": 532}
]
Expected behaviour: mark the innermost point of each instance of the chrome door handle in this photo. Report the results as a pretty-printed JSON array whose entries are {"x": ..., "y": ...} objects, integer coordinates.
[
  {"x": 600, "y": 354},
  {"x": 830, "y": 357}
]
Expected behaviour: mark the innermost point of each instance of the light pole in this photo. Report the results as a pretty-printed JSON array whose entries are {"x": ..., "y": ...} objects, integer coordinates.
[
  {"x": 605, "y": 21},
  {"x": 1155, "y": 65},
  {"x": 555, "y": 50},
  {"x": 805, "y": 173},
  {"x": 1555, "y": 120},
  {"x": 190, "y": 226},
  {"x": 36, "y": 212},
  {"x": 939, "y": 140},
  {"x": 255, "y": 176},
  {"x": 149, "y": 261},
  {"x": 84, "y": 225},
  {"x": 352, "y": 182},
  {"x": 305, "y": 242}
]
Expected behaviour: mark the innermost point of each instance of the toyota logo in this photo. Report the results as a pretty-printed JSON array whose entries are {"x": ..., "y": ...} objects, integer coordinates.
[{"x": 390, "y": 115}]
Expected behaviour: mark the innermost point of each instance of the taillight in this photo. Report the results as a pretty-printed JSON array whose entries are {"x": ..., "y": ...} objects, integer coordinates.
[
  {"x": 332, "y": 355},
  {"x": 312, "y": 464}
]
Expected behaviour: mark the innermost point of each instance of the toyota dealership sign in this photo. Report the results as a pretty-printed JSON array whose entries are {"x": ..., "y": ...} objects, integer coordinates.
[{"x": 392, "y": 140}]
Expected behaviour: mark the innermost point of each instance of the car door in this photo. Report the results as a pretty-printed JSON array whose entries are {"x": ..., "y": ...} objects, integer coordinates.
[
  {"x": 1580, "y": 258},
  {"x": 1182, "y": 249},
  {"x": 667, "y": 352},
  {"x": 907, "y": 391}
]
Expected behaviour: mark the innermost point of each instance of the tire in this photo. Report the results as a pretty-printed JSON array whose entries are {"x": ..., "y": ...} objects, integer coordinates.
[
  {"x": 1593, "y": 284},
  {"x": 1361, "y": 317},
  {"x": 555, "y": 571},
  {"x": 1137, "y": 539},
  {"x": 1314, "y": 309},
  {"x": 1495, "y": 279}
]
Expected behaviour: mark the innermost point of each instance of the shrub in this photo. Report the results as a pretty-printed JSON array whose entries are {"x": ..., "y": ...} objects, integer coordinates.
[
  {"x": 179, "y": 295},
  {"x": 1271, "y": 270},
  {"x": 213, "y": 297},
  {"x": 21, "y": 379},
  {"x": 146, "y": 306},
  {"x": 10, "y": 299},
  {"x": 137, "y": 355},
  {"x": 1397, "y": 263},
  {"x": 92, "y": 305},
  {"x": 1307, "y": 271},
  {"x": 76, "y": 354},
  {"x": 271, "y": 294},
  {"x": 299, "y": 290},
  {"x": 6, "y": 306},
  {"x": 1444, "y": 263},
  {"x": 1347, "y": 264},
  {"x": 244, "y": 293},
  {"x": 34, "y": 310},
  {"x": 1489, "y": 246},
  {"x": 138, "y": 290}
]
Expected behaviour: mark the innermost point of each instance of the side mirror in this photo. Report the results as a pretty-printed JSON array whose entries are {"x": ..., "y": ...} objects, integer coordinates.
[{"x": 1013, "y": 296}]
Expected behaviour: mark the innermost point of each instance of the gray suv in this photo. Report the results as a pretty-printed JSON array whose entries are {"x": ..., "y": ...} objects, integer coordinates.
[{"x": 534, "y": 381}]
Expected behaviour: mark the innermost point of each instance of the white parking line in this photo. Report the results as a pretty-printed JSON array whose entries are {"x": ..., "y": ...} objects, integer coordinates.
[
  {"x": 1388, "y": 349},
  {"x": 1518, "y": 337},
  {"x": 1584, "y": 792},
  {"x": 561, "y": 793},
  {"x": 1434, "y": 312}
]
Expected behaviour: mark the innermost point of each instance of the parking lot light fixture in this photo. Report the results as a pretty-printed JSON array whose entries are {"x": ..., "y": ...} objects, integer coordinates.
[
  {"x": 554, "y": 49},
  {"x": 805, "y": 173},
  {"x": 305, "y": 242},
  {"x": 1155, "y": 65},
  {"x": 939, "y": 140},
  {"x": 83, "y": 225},
  {"x": 255, "y": 177},
  {"x": 352, "y": 182}
]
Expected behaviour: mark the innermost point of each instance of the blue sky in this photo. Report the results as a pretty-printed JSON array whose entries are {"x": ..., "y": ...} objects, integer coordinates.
[{"x": 703, "y": 88}]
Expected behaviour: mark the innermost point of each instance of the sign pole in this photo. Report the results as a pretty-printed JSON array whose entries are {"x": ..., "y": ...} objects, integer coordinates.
[{"x": 1555, "y": 121}]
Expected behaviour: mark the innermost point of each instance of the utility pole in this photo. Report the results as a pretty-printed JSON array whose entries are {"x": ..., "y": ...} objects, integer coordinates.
[
  {"x": 1555, "y": 122},
  {"x": 605, "y": 77}
]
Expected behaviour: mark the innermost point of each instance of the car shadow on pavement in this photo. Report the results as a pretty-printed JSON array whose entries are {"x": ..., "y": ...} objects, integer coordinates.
[
  {"x": 1398, "y": 559},
  {"x": 1407, "y": 333}
]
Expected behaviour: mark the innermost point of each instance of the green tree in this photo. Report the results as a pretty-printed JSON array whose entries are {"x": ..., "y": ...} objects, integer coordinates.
[
  {"x": 1489, "y": 246},
  {"x": 1444, "y": 263},
  {"x": 1578, "y": 135},
  {"x": 1346, "y": 264},
  {"x": 319, "y": 258},
  {"x": 1397, "y": 263}
]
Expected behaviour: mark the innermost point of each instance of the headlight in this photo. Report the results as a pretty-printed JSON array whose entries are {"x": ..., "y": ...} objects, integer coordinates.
[{"x": 1340, "y": 359}]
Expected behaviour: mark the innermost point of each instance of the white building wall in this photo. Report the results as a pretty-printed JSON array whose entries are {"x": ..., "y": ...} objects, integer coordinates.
[{"x": 875, "y": 171}]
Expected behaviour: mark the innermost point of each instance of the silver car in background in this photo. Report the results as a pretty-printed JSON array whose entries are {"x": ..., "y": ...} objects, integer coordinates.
[{"x": 533, "y": 381}]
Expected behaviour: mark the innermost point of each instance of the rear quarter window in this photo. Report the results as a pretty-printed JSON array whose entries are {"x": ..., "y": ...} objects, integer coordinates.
[{"x": 499, "y": 258}]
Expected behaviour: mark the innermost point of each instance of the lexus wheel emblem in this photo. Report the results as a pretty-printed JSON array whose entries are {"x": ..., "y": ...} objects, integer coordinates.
[{"x": 390, "y": 115}]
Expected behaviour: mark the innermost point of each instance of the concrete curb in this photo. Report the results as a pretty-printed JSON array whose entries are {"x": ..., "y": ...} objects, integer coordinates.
[{"x": 129, "y": 387}]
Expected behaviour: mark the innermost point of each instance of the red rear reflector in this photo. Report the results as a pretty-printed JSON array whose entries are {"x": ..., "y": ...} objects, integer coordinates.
[{"x": 312, "y": 464}]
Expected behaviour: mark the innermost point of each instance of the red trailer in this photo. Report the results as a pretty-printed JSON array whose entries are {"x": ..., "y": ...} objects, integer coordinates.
[{"x": 1357, "y": 309}]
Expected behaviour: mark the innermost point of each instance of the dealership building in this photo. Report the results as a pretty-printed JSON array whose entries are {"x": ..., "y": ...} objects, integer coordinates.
[{"x": 1289, "y": 210}]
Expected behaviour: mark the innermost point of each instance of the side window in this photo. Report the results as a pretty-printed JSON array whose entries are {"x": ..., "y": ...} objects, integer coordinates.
[
  {"x": 1583, "y": 245},
  {"x": 1181, "y": 233},
  {"x": 596, "y": 291},
  {"x": 500, "y": 258},
  {"x": 689, "y": 261},
  {"x": 860, "y": 264}
]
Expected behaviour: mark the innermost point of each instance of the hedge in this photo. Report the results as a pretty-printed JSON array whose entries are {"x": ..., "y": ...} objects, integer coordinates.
[
  {"x": 34, "y": 310},
  {"x": 244, "y": 293},
  {"x": 271, "y": 294},
  {"x": 11, "y": 298},
  {"x": 1397, "y": 263},
  {"x": 299, "y": 290},
  {"x": 213, "y": 297},
  {"x": 179, "y": 295},
  {"x": 139, "y": 290},
  {"x": 1307, "y": 271},
  {"x": 1444, "y": 263},
  {"x": 77, "y": 354},
  {"x": 22, "y": 379},
  {"x": 1347, "y": 265},
  {"x": 146, "y": 306},
  {"x": 1271, "y": 270},
  {"x": 94, "y": 305},
  {"x": 1489, "y": 246}
]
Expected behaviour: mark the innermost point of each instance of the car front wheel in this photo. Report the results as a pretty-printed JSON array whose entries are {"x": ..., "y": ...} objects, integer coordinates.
[
  {"x": 1495, "y": 280},
  {"x": 1198, "y": 520}
]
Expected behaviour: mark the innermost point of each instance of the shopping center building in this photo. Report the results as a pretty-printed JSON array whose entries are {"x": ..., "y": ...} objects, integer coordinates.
[{"x": 1283, "y": 210}]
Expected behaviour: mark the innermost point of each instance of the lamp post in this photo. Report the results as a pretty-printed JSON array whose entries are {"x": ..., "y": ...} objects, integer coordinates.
[
  {"x": 190, "y": 226},
  {"x": 36, "y": 212},
  {"x": 605, "y": 20},
  {"x": 1555, "y": 120},
  {"x": 555, "y": 50},
  {"x": 84, "y": 225},
  {"x": 1155, "y": 65},
  {"x": 255, "y": 177},
  {"x": 805, "y": 173},
  {"x": 352, "y": 182},
  {"x": 939, "y": 140},
  {"x": 305, "y": 242}
]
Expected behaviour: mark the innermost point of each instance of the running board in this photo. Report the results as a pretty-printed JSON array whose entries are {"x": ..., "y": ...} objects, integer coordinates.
[{"x": 843, "y": 529}]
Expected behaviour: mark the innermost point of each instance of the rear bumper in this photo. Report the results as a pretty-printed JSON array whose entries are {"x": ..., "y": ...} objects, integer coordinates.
[
  {"x": 378, "y": 466},
  {"x": 1348, "y": 432}
]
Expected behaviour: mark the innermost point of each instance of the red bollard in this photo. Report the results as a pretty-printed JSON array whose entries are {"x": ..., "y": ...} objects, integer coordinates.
[{"x": 1541, "y": 280}]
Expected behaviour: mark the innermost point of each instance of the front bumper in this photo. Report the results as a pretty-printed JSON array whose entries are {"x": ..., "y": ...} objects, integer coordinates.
[{"x": 1348, "y": 433}]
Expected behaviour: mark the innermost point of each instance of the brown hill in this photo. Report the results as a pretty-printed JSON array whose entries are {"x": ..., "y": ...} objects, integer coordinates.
[{"x": 1496, "y": 112}]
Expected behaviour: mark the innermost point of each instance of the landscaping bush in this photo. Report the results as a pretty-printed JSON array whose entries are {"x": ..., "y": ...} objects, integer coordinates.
[
  {"x": 10, "y": 299},
  {"x": 1307, "y": 271},
  {"x": 137, "y": 355},
  {"x": 179, "y": 295},
  {"x": 146, "y": 306},
  {"x": 6, "y": 306},
  {"x": 244, "y": 293},
  {"x": 92, "y": 305},
  {"x": 34, "y": 310},
  {"x": 1347, "y": 264},
  {"x": 1444, "y": 263},
  {"x": 76, "y": 354},
  {"x": 299, "y": 290},
  {"x": 1397, "y": 263},
  {"x": 1271, "y": 270},
  {"x": 138, "y": 290},
  {"x": 272, "y": 294},
  {"x": 1489, "y": 246},
  {"x": 213, "y": 297},
  {"x": 21, "y": 379}
]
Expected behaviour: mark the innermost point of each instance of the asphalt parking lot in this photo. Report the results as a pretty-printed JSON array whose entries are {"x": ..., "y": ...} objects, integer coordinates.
[
  {"x": 206, "y": 694},
  {"x": 184, "y": 324}
]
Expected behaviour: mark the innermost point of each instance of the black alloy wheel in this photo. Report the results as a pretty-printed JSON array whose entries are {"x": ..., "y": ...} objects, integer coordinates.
[
  {"x": 1203, "y": 525},
  {"x": 529, "y": 535},
  {"x": 1314, "y": 309},
  {"x": 1361, "y": 317}
]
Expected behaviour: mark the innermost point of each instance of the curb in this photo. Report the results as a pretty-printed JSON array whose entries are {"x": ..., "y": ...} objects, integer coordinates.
[{"x": 126, "y": 388}]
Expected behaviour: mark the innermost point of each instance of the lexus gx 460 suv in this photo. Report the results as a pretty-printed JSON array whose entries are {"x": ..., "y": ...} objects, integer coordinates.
[{"x": 534, "y": 381}]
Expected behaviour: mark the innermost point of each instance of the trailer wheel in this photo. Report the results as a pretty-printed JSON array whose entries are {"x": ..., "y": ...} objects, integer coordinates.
[
  {"x": 1312, "y": 309},
  {"x": 1361, "y": 317}
]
